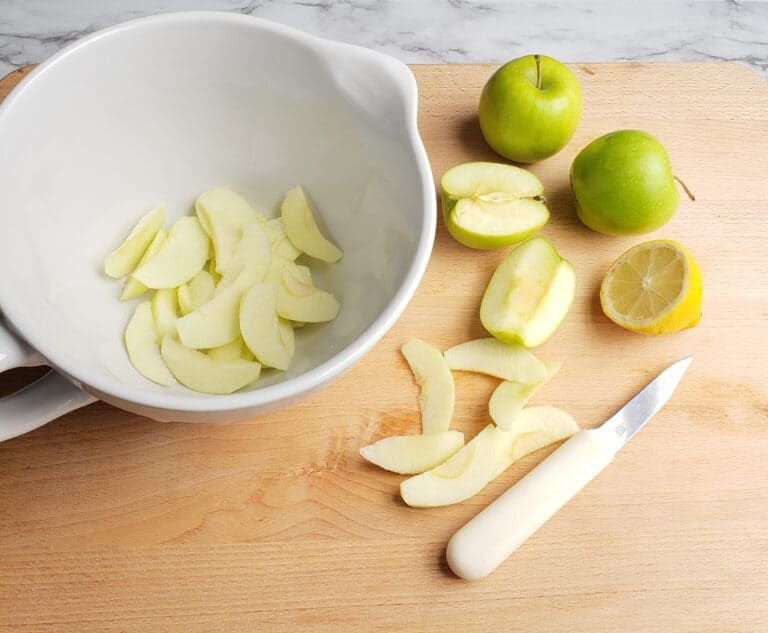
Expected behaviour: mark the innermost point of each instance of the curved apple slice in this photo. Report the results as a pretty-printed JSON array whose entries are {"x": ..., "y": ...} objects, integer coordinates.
[
  {"x": 198, "y": 372},
  {"x": 236, "y": 350},
  {"x": 123, "y": 260},
  {"x": 438, "y": 391},
  {"x": 142, "y": 347},
  {"x": 214, "y": 324},
  {"x": 165, "y": 310},
  {"x": 413, "y": 454},
  {"x": 201, "y": 288},
  {"x": 133, "y": 287},
  {"x": 492, "y": 205},
  {"x": 252, "y": 257},
  {"x": 302, "y": 230},
  {"x": 278, "y": 240},
  {"x": 184, "y": 297},
  {"x": 260, "y": 327},
  {"x": 288, "y": 336},
  {"x": 181, "y": 257},
  {"x": 509, "y": 398},
  {"x": 298, "y": 301},
  {"x": 486, "y": 456},
  {"x": 490, "y": 356}
]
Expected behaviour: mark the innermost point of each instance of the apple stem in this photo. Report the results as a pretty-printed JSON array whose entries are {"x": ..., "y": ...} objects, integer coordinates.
[
  {"x": 538, "y": 71},
  {"x": 685, "y": 188}
]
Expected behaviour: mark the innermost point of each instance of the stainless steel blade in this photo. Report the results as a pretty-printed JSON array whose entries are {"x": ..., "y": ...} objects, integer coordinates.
[{"x": 622, "y": 426}]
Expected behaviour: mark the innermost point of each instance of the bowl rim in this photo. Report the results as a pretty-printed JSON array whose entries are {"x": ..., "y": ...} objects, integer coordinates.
[{"x": 105, "y": 384}]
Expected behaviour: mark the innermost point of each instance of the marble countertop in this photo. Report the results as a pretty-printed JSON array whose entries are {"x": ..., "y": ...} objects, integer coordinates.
[{"x": 439, "y": 31}]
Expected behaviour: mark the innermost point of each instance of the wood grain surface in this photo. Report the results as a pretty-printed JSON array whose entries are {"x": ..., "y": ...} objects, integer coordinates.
[{"x": 111, "y": 522}]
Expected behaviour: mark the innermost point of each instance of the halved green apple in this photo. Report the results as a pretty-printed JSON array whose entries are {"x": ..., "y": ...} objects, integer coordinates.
[
  {"x": 236, "y": 350},
  {"x": 486, "y": 456},
  {"x": 165, "y": 310},
  {"x": 143, "y": 349},
  {"x": 260, "y": 326},
  {"x": 491, "y": 356},
  {"x": 199, "y": 372},
  {"x": 181, "y": 256},
  {"x": 299, "y": 301},
  {"x": 302, "y": 230},
  {"x": 438, "y": 392},
  {"x": 133, "y": 287},
  {"x": 491, "y": 205},
  {"x": 529, "y": 294},
  {"x": 413, "y": 454},
  {"x": 124, "y": 259},
  {"x": 509, "y": 398}
]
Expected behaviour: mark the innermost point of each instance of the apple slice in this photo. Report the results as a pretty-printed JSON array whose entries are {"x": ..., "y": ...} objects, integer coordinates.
[
  {"x": 413, "y": 454},
  {"x": 492, "y": 205},
  {"x": 433, "y": 376},
  {"x": 142, "y": 347},
  {"x": 236, "y": 350},
  {"x": 509, "y": 398},
  {"x": 529, "y": 294},
  {"x": 222, "y": 213},
  {"x": 260, "y": 327},
  {"x": 251, "y": 259},
  {"x": 201, "y": 288},
  {"x": 199, "y": 372},
  {"x": 278, "y": 240},
  {"x": 490, "y": 356},
  {"x": 181, "y": 257},
  {"x": 133, "y": 287},
  {"x": 214, "y": 324},
  {"x": 302, "y": 230},
  {"x": 288, "y": 336},
  {"x": 299, "y": 301},
  {"x": 184, "y": 297},
  {"x": 211, "y": 268},
  {"x": 123, "y": 260},
  {"x": 165, "y": 310},
  {"x": 486, "y": 456}
]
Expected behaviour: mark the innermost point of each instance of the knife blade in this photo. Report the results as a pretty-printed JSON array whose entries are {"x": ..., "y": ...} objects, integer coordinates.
[{"x": 492, "y": 536}]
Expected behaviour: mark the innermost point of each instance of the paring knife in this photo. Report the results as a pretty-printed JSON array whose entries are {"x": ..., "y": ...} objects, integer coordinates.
[{"x": 490, "y": 538}]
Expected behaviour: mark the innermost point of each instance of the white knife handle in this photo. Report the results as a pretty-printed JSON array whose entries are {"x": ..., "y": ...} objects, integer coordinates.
[{"x": 488, "y": 540}]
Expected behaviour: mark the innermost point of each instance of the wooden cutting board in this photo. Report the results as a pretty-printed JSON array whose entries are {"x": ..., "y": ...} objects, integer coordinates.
[{"x": 111, "y": 522}]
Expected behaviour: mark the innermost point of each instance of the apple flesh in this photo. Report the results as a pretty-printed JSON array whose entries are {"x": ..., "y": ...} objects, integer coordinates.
[
  {"x": 437, "y": 389},
  {"x": 288, "y": 336},
  {"x": 278, "y": 240},
  {"x": 260, "y": 326},
  {"x": 236, "y": 350},
  {"x": 299, "y": 301},
  {"x": 509, "y": 398},
  {"x": 124, "y": 259},
  {"x": 142, "y": 347},
  {"x": 495, "y": 358},
  {"x": 302, "y": 230},
  {"x": 413, "y": 454},
  {"x": 530, "y": 108},
  {"x": 165, "y": 311},
  {"x": 491, "y": 205},
  {"x": 181, "y": 257},
  {"x": 623, "y": 184},
  {"x": 251, "y": 258},
  {"x": 133, "y": 287},
  {"x": 201, "y": 373},
  {"x": 486, "y": 456},
  {"x": 528, "y": 295}
]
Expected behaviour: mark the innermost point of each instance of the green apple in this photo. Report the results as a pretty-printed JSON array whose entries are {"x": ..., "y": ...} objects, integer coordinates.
[
  {"x": 623, "y": 184},
  {"x": 491, "y": 205},
  {"x": 432, "y": 374},
  {"x": 413, "y": 454},
  {"x": 528, "y": 295},
  {"x": 260, "y": 326},
  {"x": 486, "y": 456},
  {"x": 199, "y": 372},
  {"x": 302, "y": 230},
  {"x": 529, "y": 108},
  {"x": 124, "y": 259},
  {"x": 496, "y": 358},
  {"x": 142, "y": 347}
]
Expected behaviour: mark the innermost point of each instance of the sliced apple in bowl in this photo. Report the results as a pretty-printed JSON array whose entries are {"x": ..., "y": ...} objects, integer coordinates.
[
  {"x": 492, "y": 205},
  {"x": 124, "y": 259}
]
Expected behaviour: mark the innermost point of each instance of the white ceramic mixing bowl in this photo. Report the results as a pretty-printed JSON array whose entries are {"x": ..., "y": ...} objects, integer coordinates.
[{"x": 158, "y": 110}]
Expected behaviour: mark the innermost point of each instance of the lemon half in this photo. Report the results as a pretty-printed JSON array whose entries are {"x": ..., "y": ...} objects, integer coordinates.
[{"x": 653, "y": 288}]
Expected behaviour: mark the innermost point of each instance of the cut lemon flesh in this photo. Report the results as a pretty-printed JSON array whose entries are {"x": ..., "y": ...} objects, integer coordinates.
[{"x": 653, "y": 288}]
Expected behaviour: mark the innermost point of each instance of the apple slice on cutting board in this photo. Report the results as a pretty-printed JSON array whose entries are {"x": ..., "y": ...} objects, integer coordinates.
[
  {"x": 437, "y": 389},
  {"x": 509, "y": 398},
  {"x": 413, "y": 454},
  {"x": 495, "y": 358}
]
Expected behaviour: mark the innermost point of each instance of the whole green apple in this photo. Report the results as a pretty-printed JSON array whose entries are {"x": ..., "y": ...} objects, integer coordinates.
[
  {"x": 529, "y": 108},
  {"x": 623, "y": 184}
]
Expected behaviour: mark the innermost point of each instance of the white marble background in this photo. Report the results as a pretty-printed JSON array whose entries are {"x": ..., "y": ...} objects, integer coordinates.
[{"x": 433, "y": 31}]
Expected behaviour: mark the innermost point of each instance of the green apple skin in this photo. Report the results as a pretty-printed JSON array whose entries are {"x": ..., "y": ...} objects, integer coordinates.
[
  {"x": 522, "y": 122},
  {"x": 623, "y": 184}
]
